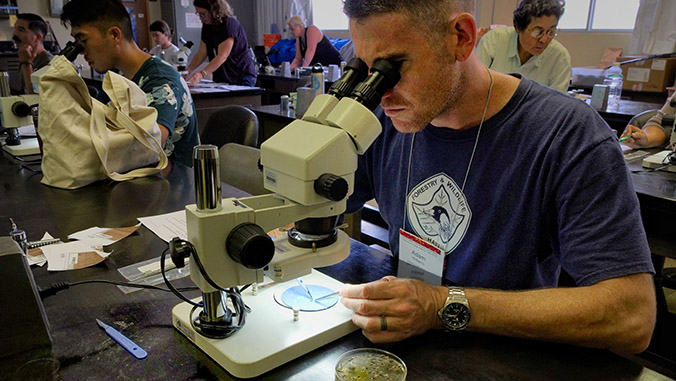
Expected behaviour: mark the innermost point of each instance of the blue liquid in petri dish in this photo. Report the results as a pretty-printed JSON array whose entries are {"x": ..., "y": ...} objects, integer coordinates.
[{"x": 296, "y": 296}]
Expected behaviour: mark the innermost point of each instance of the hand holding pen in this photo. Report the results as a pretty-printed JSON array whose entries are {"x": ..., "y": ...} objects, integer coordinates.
[
  {"x": 634, "y": 137},
  {"x": 626, "y": 137}
]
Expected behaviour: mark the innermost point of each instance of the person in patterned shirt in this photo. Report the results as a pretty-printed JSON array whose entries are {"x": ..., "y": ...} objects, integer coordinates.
[{"x": 104, "y": 29}]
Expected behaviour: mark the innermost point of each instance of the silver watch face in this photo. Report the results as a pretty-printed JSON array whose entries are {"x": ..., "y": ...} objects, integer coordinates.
[{"x": 455, "y": 316}]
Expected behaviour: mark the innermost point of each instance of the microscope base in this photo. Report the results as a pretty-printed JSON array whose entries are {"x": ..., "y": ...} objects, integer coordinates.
[
  {"x": 270, "y": 337},
  {"x": 657, "y": 161},
  {"x": 28, "y": 146}
]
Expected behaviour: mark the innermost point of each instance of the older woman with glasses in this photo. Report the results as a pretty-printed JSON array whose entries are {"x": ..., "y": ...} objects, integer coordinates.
[
  {"x": 529, "y": 47},
  {"x": 224, "y": 42}
]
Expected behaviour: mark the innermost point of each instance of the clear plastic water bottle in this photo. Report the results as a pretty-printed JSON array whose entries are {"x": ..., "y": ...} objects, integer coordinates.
[{"x": 614, "y": 80}]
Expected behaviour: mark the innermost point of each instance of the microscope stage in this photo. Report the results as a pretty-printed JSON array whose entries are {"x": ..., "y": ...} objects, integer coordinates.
[
  {"x": 28, "y": 146},
  {"x": 270, "y": 337}
]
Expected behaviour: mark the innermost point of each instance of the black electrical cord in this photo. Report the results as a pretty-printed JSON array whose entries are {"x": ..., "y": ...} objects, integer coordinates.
[
  {"x": 169, "y": 285},
  {"x": 60, "y": 286},
  {"x": 214, "y": 331}
]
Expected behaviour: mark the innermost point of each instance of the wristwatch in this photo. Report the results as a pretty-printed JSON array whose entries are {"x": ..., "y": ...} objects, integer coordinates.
[{"x": 455, "y": 313}]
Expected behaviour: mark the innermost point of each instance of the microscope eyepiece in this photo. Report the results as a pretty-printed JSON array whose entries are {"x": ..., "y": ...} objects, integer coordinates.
[
  {"x": 355, "y": 71},
  {"x": 384, "y": 75},
  {"x": 71, "y": 50}
]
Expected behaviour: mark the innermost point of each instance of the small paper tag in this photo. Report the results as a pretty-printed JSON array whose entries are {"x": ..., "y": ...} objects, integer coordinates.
[{"x": 419, "y": 253}]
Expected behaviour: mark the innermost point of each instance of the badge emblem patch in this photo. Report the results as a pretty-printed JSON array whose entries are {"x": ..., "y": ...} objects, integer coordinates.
[{"x": 438, "y": 212}]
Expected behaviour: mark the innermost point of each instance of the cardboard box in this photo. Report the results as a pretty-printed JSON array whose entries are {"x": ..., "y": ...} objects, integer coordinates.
[{"x": 653, "y": 75}]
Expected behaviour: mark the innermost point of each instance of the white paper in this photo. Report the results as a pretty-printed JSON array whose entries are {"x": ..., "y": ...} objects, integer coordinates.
[
  {"x": 98, "y": 237},
  {"x": 72, "y": 255},
  {"x": 192, "y": 21},
  {"x": 635, "y": 74},
  {"x": 207, "y": 86},
  {"x": 167, "y": 226},
  {"x": 659, "y": 65},
  {"x": 35, "y": 255}
]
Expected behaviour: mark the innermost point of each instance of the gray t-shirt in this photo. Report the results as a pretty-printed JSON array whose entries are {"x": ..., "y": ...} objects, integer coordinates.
[{"x": 40, "y": 61}]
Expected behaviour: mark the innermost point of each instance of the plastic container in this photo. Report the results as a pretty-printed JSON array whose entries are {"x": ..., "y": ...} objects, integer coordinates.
[
  {"x": 613, "y": 79},
  {"x": 370, "y": 364},
  {"x": 318, "y": 79}
]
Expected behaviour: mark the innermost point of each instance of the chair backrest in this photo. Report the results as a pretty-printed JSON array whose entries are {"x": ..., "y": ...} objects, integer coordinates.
[
  {"x": 231, "y": 124},
  {"x": 239, "y": 168},
  {"x": 642, "y": 118}
]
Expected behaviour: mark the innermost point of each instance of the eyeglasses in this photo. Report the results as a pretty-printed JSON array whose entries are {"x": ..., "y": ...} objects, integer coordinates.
[
  {"x": 201, "y": 14},
  {"x": 538, "y": 32}
]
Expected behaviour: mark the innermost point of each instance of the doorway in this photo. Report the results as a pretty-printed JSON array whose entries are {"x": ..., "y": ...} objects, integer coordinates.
[{"x": 138, "y": 12}]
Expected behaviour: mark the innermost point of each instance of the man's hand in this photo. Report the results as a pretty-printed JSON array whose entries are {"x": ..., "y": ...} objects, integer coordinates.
[
  {"x": 638, "y": 138},
  {"x": 409, "y": 307},
  {"x": 27, "y": 53}
]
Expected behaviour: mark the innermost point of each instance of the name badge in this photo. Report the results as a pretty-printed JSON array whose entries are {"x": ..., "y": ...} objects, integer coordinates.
[{"x": 419, "y": 253}]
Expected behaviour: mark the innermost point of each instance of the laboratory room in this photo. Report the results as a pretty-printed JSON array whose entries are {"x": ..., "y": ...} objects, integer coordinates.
[{"x": 337, "y": 189}]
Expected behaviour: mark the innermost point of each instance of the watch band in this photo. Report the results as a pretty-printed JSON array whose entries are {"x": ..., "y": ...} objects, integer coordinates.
[
  {"x": 456, "y": 294},
  {"x": 204, "y": 73}
]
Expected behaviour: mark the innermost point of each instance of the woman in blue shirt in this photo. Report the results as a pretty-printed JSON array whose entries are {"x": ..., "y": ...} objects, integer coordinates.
[{"x": 224, "y": 42}]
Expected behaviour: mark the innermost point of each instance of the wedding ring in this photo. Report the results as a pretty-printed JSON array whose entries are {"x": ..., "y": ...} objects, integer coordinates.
[{"x": 383, "y": 323}]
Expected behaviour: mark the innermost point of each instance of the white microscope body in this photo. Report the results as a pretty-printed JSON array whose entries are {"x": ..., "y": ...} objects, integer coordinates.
[
  {"x": 310, "y": 165},
  {"x": 17, "y": 111}
]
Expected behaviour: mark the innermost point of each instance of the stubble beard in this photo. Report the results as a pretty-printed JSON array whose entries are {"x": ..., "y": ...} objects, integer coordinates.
[{"x": 438, "y": 96}]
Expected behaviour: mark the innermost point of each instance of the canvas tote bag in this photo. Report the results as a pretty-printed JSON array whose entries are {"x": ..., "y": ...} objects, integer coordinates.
[{"x": 84, "y": 140}]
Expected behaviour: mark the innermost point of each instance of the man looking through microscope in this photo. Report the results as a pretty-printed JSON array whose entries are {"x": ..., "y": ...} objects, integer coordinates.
[
  {"x": 512, "y": 181},
  {"x": 104, "y": 29}
]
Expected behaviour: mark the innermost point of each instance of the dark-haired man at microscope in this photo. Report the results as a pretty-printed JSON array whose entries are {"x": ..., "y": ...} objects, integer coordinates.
[{"x": 104, "y": 29}]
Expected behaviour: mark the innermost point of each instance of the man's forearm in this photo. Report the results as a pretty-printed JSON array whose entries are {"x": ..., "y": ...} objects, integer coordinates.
[
  {"x": 26, "y": 71},
  {"x": 616, "y": 314}
]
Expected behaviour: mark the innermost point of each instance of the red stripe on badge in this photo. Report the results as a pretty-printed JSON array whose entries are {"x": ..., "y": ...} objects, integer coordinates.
[{"x": 427, "y": 245}]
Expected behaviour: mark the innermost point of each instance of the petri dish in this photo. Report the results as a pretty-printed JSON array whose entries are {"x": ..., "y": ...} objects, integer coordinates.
[{"x": 370, "y": 364}]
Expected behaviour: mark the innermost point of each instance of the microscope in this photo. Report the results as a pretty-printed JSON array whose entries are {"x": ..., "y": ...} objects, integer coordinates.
[
  {"x": 310, "y": 165},
  {"x": 180, "y": 59},
  {"x": 19, "y": 110}
]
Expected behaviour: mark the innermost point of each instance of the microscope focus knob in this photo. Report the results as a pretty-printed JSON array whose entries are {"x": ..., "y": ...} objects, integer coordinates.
[
  {"x": 249, "y": 245},
  {"x": 331, "y": 186},
  {"x": 21, "y": 109}
]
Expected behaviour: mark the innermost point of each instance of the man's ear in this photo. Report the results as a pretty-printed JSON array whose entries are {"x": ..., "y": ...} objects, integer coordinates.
[
  {"x": 116, "y": 33},
  {"x": 463, "y": 27}
]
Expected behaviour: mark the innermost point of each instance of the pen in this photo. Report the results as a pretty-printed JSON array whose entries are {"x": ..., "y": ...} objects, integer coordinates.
[
  {"x": 121, "y": 339},
  {"x": 44, "y": 242},
  {"x": 627, "y": 137}
]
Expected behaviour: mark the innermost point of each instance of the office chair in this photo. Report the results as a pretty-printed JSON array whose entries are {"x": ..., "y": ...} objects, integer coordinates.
[
  {"x": 239, "y": 168},
  {"x": 642, "y": 118},
  {"x": 231, "y": 124}
]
